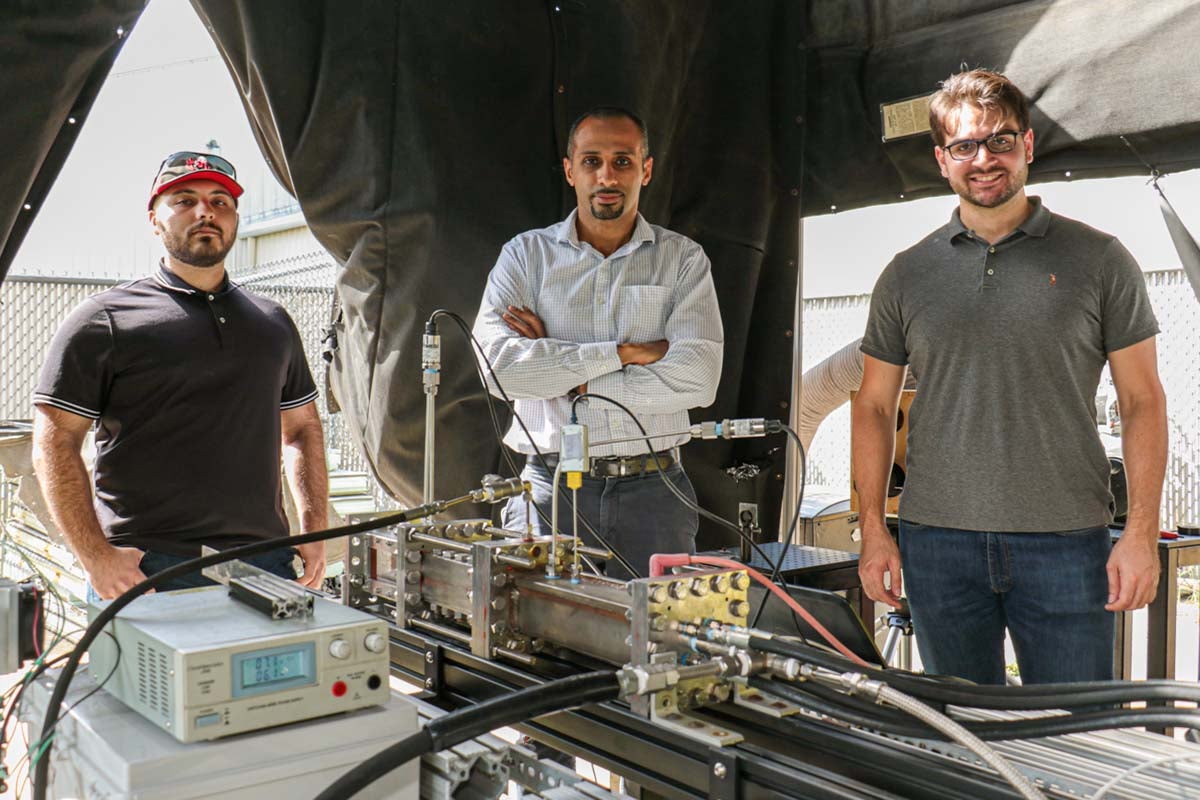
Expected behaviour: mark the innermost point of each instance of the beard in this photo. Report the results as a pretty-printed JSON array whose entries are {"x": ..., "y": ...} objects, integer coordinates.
[
  {"x": 607, "y": 211},
  {"x": 992, "y": 197},
  {"x": 197, "y": 251}
]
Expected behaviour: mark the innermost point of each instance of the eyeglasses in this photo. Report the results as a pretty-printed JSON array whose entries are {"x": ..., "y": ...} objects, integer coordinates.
[
  {"x": 998, "y": 143},
  {"x": 187, "y": 162}
]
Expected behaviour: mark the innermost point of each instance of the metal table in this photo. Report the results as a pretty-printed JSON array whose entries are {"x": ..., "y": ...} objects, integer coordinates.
[{"x": 1160, "y": 638}]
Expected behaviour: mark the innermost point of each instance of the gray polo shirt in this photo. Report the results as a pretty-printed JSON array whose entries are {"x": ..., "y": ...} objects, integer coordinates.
[
  {"x": 1008, "y": 342},
  {"x": 186, "y": 388}
]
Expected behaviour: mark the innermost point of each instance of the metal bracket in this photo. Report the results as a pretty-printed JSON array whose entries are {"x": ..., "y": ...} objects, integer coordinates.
[
  {"x": 433, "y": 668},
  {"x": 771, "y": 706},
  {"x": 722, "y": 774}
]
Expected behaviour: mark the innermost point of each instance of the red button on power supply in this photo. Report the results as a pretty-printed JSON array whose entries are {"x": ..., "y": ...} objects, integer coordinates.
[{"x": 339, "y": 688}]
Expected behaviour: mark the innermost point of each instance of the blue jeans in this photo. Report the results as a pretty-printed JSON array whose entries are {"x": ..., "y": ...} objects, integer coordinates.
[
  {"x": 636, "y": 515},
  {"x": 1047, "y": 589},
  {"x": 277, "y": 562}
]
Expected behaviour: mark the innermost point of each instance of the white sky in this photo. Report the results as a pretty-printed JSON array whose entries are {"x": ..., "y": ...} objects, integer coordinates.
[{"x": 170, "y": 91}]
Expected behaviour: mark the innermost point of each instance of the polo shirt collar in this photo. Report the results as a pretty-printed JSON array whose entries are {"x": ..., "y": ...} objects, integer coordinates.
[
  {"x": 567, "y": 233},
  {"x": 1034, "y": 225},
  {"x": 1037, "y": 222},
  {"x": 169, "y": 280}
]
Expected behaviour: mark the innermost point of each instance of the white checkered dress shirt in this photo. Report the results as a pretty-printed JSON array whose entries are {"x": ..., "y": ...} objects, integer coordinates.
[{"x": 656, "y": 286}]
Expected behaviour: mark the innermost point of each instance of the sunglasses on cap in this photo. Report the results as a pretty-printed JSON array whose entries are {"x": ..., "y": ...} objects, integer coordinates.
[{"x": 188, "y": 166}]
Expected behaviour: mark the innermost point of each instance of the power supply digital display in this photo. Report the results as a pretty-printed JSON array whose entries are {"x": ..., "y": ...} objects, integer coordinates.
[
  {"x": 268, "y": 669},
  {"x": 279, "y": 667}
]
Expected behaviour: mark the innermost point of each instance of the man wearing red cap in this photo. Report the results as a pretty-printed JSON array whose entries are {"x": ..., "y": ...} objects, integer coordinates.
[{"x": 190, "y": 383}]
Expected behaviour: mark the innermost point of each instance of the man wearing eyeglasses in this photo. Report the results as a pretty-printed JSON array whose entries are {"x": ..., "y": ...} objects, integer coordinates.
[
  {"x": 190, "y": 383},
  {"x": 1007, "y": 315}
]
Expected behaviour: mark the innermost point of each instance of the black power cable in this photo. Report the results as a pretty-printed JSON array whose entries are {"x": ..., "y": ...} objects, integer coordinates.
[
  {"x": 777, "y": 567},
  {"x": 658, "y": 467},
  {"x": 466, "y": 330},
  {"x": 467, "y": 723}
]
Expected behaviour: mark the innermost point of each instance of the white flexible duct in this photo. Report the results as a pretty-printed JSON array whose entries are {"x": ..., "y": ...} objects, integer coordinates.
[
  {"x": 826, "y": 386},
  {"x": 829, "y": 384}
]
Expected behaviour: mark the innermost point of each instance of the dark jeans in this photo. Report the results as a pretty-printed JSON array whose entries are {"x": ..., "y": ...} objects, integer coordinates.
[
  {"x": 1047, "y": 589},
  {"x": 637, "y": 515},
  {"x": 277, "y": 562}
]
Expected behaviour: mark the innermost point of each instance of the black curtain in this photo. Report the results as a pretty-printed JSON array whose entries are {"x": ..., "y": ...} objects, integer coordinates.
[{"x": 418, "y": 141}]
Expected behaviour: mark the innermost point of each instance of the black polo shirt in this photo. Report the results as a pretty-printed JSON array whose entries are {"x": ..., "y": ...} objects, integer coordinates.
[{"x": 186, "y": 388}]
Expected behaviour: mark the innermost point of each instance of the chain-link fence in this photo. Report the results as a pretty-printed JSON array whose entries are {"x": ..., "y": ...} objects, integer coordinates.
[{"x": 31, "y": 309}]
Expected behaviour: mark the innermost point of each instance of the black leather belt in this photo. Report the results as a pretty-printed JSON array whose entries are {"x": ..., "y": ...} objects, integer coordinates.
[
  {"x": 625, "y": 466},
  {"x": 622, "y": 466}
]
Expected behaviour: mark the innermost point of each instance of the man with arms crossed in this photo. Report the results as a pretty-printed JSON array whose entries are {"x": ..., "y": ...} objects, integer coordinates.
[
  {"x": 605, "y": 302},
  {"x": 191, "y": 383},
  {"x": 1008, "y": 314}
]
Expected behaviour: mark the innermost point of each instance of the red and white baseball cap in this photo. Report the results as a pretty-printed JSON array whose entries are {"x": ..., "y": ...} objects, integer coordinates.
[{"x": 186, "y": 166}]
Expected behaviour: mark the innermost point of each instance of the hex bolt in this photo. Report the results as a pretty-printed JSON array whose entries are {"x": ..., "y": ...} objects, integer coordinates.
[
  {"x": 355, "y": 541},
  {"x": 739, "y": 608},
  {"x": 720, "y": 583},
  {"x": 412, "y": 598},
  {"x": 658, "y": 622},
  {"x": 499, "y": 580},
  {"x": 657, "y": 593},
  {"x": 699, "y": 587},
  {"x": 499, "y": 603},
  {"x": 678, "y": 589},
  {"x": 429, "y": 683},
  {"x": 740, "y": 581},
  {"x": 429, "y": 658},
  {"x": 719, "y": 770},
  {"x": 413, "y": 576},
  {"x": 412, "y": 556},
  {"x": 355, "y": 561}
]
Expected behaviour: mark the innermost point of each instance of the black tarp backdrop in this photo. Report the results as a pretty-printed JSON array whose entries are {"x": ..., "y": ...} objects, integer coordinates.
[
  {"x": 449, "y": 137},
  {"x": 54, "y": 57},
  {"x": 418, "y": 137}
]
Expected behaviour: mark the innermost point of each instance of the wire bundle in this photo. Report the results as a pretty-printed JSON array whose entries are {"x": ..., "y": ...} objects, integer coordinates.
[{"x": 1091, "y": 704}]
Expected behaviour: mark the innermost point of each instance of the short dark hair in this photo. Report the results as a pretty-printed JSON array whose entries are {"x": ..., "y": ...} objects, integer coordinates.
[
  {"x": 988, "y": 91},
  {"x": 609, "y": 112}
]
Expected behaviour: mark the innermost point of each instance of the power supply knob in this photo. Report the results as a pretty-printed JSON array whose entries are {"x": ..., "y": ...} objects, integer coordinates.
[
  {"x": 339, "y": 648},
  {"x": 375, "y": 643}
]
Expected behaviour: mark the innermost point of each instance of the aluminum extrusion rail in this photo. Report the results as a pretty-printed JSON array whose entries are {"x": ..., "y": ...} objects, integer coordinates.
[{"x": 670, "y": 765}]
